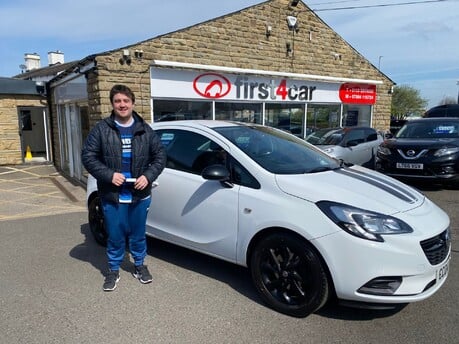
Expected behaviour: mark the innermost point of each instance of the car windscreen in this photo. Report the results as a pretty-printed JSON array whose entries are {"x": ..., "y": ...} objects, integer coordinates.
[
  {"x": 429, "y": 130},
  {"x": 326, "y": 137},
  {"x": 277, "y": 151}
]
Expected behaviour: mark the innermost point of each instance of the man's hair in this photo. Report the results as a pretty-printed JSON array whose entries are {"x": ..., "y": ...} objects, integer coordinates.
[{"x": 121, "y": 89}]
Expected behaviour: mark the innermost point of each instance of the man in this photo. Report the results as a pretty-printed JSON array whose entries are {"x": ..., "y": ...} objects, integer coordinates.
[{"x": 125, "y": 156}]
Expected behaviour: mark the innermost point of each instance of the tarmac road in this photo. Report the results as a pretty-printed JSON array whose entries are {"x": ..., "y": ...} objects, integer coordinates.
[{"x": 51, "y": 292}]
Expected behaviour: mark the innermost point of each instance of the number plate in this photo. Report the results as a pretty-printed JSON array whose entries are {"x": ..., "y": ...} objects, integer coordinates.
[
  {"x": 410, "y": 166},
  {"x": 442, "y": 272}
]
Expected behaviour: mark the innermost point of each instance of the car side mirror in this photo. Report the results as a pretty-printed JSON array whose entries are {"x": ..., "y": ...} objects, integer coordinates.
[
  {"x": 219, "y": 173},
  {"x": 215, "y": 172}
]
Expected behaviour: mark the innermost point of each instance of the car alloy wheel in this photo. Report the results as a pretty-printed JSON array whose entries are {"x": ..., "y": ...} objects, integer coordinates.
[
  {"x": 289, "y": 275},
  {"x": 96, "y": 221}
]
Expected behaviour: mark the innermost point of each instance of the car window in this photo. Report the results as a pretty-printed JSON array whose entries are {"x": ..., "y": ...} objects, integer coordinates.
[
  {"x": 354, "y": 137},
  {"x": 240, "y": 176},
  {"x": 192, "y": 152},
  {"x": 183, "y": 149},
  {"x": 452, "y": 111},
  {"x": 436, "y": 113},
  {"x": 276, "y": 151},
  {"x": 430, "y": 129},
  {"x": 326, "y": 137},
  {"x": 371, "y": 135}
]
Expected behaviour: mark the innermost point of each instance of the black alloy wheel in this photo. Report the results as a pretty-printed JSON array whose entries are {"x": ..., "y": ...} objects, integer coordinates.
[
  {"x": 289, "y": 275},
  {"x": 96, "y": 221}
]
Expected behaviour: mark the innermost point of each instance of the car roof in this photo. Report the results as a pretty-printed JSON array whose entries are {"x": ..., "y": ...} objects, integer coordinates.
[
  {"x": 199, "y": 123},
  {"x": 345, "y": 129},
  {"x": 445, "y": 106}
]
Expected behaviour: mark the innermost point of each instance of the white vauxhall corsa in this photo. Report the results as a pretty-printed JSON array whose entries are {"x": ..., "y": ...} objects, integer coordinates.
[{"x": 307, "y": 228}]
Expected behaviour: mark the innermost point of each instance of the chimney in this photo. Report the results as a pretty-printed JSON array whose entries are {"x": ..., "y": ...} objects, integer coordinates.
[
  {"x": 55, "y": 57},
  {"x": 32, "y": 61}
]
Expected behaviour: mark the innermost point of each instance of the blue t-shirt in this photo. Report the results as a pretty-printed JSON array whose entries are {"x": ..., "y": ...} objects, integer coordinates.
[{"x": 126, "y": 133}]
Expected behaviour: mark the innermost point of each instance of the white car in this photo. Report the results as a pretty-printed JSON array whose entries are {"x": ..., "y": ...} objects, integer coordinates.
[
  {"x": 353, "y": 145},
  {"x": 306, "y": 227}
]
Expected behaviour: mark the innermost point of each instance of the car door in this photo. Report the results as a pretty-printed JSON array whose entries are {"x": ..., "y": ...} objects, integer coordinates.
[
  {"x": 188, "y": 210},
  {"x": 372, "y": 140},
  {"x": 358, "y": 151}
]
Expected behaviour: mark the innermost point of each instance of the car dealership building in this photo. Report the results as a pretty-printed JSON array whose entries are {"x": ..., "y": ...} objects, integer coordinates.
[{"x": 276, "y": 63}]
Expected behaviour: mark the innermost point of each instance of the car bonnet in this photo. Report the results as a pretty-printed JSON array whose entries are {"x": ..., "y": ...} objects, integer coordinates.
[{"x": 356, "y": 186}]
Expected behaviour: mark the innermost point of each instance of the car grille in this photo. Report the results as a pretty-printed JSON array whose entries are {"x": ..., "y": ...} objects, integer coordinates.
[{"x": 436, "y": 249}]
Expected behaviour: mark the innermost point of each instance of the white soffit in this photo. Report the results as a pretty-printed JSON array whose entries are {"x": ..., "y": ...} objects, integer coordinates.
[{"x": 162, "y": 63}]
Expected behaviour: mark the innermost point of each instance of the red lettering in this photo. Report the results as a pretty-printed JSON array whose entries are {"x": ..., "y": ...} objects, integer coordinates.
[{"x": 282, "y": 89}]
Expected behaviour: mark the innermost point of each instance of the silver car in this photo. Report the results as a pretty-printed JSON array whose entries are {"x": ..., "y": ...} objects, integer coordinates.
[{"x": 352, "y": 145}]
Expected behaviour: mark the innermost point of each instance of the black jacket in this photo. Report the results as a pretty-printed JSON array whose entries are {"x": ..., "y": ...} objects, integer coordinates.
[{"x": 101, "y": 156}]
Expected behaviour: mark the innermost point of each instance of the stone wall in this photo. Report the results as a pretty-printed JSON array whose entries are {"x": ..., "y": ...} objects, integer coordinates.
[
  {"x": 10, "y": 142},
  {"x": 239, "y": 40},
  {"x": 236, "y": 40}
]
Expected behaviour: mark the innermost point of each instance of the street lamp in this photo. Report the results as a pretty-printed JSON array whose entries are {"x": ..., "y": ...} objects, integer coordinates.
[{"x": 379, "y": 62}]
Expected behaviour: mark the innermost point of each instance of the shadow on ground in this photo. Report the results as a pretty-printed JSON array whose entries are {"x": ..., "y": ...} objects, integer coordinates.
[
  {"x": 233, "y": 275},
  {"x": 91, "y": 252}
]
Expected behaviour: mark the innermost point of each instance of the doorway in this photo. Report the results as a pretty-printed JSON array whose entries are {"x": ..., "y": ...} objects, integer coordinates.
[{"x": 33, "y": 131}]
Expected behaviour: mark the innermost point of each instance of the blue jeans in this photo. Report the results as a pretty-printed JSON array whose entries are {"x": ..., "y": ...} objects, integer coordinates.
[{"x": 126, "y": 220}]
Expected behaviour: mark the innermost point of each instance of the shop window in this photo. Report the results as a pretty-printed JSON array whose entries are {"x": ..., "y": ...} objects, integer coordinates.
[
  {"x": 321, "y": 116},
  {"x": 356, "y": 115},
  {"x": 241, "y": 112},
  {"x": 287, "y": 117},
  {"x": 173, "y": 110}
]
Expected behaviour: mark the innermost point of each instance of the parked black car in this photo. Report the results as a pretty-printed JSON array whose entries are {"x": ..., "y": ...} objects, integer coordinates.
[
  {"x": 423, "y": 149},
  {"x": 447, "y": 110}
]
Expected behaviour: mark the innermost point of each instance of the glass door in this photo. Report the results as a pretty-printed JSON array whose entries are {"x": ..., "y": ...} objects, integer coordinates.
[{"x": 74, "y": 128}]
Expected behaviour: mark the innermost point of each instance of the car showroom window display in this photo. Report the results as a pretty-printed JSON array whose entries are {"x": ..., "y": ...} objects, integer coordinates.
[{"x": 308, "y": 228}]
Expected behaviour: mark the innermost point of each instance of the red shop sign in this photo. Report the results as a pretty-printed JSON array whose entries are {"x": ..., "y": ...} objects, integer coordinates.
[
  {"x": 211, "y": 85},
  {"x": 357, "y": 93}
]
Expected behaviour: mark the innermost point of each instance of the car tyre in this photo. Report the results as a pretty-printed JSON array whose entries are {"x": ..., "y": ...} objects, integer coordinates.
[
  {"x": 97, "y": 222},
  {"x": 289, "y": 275}
]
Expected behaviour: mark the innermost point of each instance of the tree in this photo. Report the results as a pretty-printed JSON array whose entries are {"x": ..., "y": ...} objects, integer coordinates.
[{"x": 407, "y": 101}]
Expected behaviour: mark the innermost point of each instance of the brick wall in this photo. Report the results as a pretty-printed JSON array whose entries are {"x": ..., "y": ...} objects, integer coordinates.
[
  {"x": 236, "y": 40},
  {"x": 239, "y": 40}
]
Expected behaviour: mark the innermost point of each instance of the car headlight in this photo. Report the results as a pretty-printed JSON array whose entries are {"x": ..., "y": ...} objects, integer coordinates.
[
  {"x": 446, "y": 151},
  {"x": 384, "y": 150},
  {"x": 362, "y": 223}
]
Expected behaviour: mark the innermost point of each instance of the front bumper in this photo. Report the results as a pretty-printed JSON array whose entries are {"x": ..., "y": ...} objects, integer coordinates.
[
  {"x": 440, "y": 169},
  {"x": 399, "y": 256}
]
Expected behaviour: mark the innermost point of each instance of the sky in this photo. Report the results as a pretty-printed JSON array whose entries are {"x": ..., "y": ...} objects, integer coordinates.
[{"x": 414, "y": 43}]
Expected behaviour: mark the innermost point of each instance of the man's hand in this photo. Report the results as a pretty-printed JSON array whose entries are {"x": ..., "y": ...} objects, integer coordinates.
[
  {"x": 141, "y": 183},
  {"x": 118, "y": 179}
]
